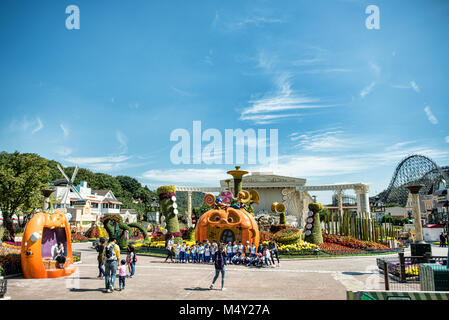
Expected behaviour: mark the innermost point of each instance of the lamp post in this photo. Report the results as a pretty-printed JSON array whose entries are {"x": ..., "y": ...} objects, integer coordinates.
[{"x": 419, "y": 247}]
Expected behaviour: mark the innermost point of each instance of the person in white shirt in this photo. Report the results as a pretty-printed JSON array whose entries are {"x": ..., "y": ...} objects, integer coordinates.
[
  {"x": 228, "y": 253},
  {"x": 240, "y": 248},
  {"x": 207, "y": 254},
  {"x": 177, "y": 251},
  {"x": 214, "y": 250},
  {"x": 201, "y": 253},
  {"x": 253, "y": 250},
  {"x": 235, "y": 248},
  {"x": 182, "y": 253}
]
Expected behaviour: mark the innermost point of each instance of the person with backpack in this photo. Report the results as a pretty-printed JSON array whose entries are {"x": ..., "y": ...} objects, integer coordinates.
[
  {"x": 219, "y": 264},
  {"x": 131, "y": 259},
  {"x": 111, "y": 254},
  {"x": 100, "y": 249}
]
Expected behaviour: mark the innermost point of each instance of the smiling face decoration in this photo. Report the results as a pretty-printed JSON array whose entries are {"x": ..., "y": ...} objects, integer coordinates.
[{"x": 227, "y": 224}]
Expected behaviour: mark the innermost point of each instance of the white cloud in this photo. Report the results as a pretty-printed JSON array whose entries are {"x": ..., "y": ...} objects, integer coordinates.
[
  {"x": 365, "y": 91},
  {"x": 108, "y": 163},
  {"x": 65, "y": 131},
  {"x": 324, "y": 142},
  {"x": 430, "y": 115},
  {"x": 446, "y": 139},
  {"x": 414, "y": 86},
  {"x": 283, "y": 99},
  {"x": 186, "y": 177},
  {"x": 121, "y": 138},
  {"x": 39, "y": 126},
  {"x": 374, "y": 67}
]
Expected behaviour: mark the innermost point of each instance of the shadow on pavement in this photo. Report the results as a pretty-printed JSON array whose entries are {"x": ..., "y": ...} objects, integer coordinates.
[
  {"x": 87, "y": 290},
  {"x": 197, "y": 289}
]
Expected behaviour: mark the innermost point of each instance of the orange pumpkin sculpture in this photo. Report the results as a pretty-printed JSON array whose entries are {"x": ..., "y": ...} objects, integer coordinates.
[
  {"x": 41, "y": 233},
  {"x": 227, "y": 224}
]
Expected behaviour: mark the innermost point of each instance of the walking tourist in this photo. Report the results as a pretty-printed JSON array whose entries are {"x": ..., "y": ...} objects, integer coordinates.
[
  {"x": 169, "y": 248},
  {"x": 111, "y": 254},
  {"x": 100, "y": 248},
  {"x": 274, "y": 251},
  {"x": 131, "y": 259},
  {"x": 219, "y": 267},
  {"x": 442, "y": 240},
  {"x": 122, "y": 275}
]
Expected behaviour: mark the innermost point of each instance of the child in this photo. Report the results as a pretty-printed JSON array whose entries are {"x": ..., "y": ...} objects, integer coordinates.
[
  {"x": 122, "y": 274},
  {"x": 182, "y": 253},
  {"x": 201, "y": 254},
  {"x": 240, "y": 248},
  {"x": 235, "y": 248},
  {"x": 259, "y": 261},
  {"x": 207, "y": 254},
  {"x": 187, "y": 254},
  {"x": 247, "y": 249},
  {"x": 235, "y": 259},
  {"x": 266, "y": 255},
  {"x": 177, "y": 251},
  {"x": 245, "y": 260},
  {"x": 213, "y": 250},
  {"x": 228, "y": 253},
  {"x": 253, "y": 250},
  {"x": 194, "y": 253}
]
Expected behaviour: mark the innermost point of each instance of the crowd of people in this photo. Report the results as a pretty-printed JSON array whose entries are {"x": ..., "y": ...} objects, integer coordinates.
[
  {"x": 236, "y": 253},
  {"x": 109, "y": 264}
]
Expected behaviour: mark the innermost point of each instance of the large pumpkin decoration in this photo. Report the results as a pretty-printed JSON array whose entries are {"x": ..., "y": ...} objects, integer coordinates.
[
  {"x": 42, "y": 232},
  {"x": 227, "y": 224},
  {"x": 229, "y": 220}
]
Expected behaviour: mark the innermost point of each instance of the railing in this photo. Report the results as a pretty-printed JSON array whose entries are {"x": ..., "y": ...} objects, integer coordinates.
[{"x": 403, "y": 272}]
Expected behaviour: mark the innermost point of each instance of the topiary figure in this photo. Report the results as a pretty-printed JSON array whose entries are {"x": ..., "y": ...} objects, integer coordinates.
[
  {"x": 167, "y": 199},
  {"x": 141, "y": 229},
  {"x": 288, "y": 236},
  {"x": 312, "y": 230}
]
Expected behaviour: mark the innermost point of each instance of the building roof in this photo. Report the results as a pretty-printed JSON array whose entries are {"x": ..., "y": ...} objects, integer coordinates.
[
  {"x": 59, "y": 182},
  {"x": 110, "y": 200},
  {"x": 101, "y": 192},
  {"x": 131, "y": 211}
]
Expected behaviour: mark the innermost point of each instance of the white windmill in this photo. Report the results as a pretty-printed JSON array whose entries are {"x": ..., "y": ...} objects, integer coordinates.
[{"x": 69, "y": 187}]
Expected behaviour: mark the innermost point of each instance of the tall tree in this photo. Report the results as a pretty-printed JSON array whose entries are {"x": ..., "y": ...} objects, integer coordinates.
[{"x": 22, "y": 176}]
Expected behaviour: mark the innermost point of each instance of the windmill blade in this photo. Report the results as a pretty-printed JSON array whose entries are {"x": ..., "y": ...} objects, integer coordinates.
[
  {"x": 75, "y": 191},
  {"x": 74, "y": 174},
  {"x": 64, "y": 197},
  {"x": 63, "y": 173}
]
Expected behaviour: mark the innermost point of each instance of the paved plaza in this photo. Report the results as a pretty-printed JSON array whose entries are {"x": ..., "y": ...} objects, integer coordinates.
[{"x": 305, "y": 279}]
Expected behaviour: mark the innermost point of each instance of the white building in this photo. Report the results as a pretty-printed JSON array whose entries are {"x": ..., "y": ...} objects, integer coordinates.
[{"x": 92, "y": 205}]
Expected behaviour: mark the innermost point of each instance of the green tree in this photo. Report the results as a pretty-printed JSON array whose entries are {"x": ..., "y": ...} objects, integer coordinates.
[{"x": 22, "y": 176}]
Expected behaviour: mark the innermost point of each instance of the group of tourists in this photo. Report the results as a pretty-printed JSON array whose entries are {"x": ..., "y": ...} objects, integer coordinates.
[
  {"x": 109, "y": 263},
  {"x": 235, "y": 253}
]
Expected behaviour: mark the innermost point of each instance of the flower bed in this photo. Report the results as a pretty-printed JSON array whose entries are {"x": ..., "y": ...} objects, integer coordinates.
[
  {"x": 299, "y": 248},
  {"x": 353, "y": 243},
  {"x": 76, "y": 237},
  {"x": 10, "y": 259},
  {"x": 336, "y": 249}
]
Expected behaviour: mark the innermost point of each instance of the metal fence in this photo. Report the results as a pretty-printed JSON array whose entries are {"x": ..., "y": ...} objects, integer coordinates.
[{"x": 403, "y": 272}]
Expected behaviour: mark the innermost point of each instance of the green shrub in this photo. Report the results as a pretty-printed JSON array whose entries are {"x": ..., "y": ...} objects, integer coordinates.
[{"x": 287, "y": 236}]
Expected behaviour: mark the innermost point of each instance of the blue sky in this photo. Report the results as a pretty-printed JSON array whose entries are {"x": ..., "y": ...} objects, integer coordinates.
[{"x": 348, "y": 102}]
